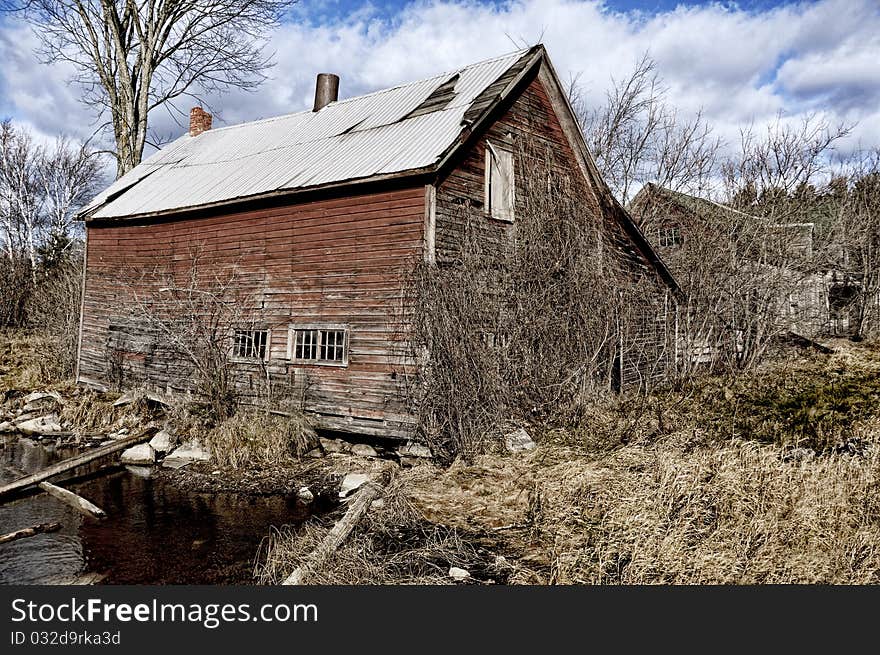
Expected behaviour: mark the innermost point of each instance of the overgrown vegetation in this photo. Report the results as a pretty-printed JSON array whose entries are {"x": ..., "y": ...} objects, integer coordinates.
[
  {"x": 253, "y": 438},
  {"x": 669, "y": 488},
  {"x": 394, "y": 544},
  {"x": 526, "y": 322},
  {"x": 41, "y": 189}
]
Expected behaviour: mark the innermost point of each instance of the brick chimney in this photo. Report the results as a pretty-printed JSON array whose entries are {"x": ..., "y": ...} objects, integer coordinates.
[
  {"x": 326, "y": 90},
  {"x": 199, "y": 121}
]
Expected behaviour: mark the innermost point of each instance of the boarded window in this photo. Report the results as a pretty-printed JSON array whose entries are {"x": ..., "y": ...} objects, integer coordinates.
[
  {"x": 499, "y": 183},
  {"x": 320, "y": 345},
  {"x": 250, "y": 344}
]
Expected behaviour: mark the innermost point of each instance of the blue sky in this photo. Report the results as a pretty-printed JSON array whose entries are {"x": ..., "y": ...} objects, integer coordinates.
[{"x": 739, "y": 63}]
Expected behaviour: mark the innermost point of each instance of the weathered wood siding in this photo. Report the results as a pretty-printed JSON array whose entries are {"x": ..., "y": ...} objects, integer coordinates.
[
  {"x": 335, "y": 261},
  {"x": 531, "y": 128}
]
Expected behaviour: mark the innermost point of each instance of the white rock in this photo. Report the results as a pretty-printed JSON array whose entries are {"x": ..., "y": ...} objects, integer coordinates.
[
  {"x": 305, "y": 495},
  {"x": 41, "y": 425},
  {"x": 191, "y": 451},
  {"x": 125, "y": 399},
  {"x": 42, "y": 395},
  {"x": 335, "y": 445},
  {"x": 519, "y": 441},
  {"x": 140, "y": 454},
  {"x": 352, "y": 482},
  {"x": 171, "y": 463},
  {"x": 458, "y": 574},
  {"x": 364, "y": 450},
  {"x": 162, "y": 442},
  {"x": 315, "y": 453},
  {"x": 6, "y": 426},
  {"x": 413, "y": 449}
]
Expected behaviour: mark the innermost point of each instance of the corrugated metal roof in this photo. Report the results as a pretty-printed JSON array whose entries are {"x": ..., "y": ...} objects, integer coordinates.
[{"x": 350, "y": 139}]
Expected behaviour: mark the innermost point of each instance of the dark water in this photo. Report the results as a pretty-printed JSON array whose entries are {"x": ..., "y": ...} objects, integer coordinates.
[{"x": 155, "y": 533}]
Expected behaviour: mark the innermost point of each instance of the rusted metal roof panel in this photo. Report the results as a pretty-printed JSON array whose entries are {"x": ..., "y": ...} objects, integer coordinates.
[{"x": 355, "y": 138}]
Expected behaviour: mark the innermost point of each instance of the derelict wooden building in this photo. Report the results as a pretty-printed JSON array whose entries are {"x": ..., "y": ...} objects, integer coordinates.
[{"x": 321, "y": 214}]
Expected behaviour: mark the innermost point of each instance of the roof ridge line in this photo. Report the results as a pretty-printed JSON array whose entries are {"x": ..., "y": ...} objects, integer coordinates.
[{"x": 370, "y": 94}]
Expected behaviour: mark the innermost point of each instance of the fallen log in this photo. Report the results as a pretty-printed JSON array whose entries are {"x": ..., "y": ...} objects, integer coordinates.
[
  {"x": 75, "y": 501},
  {"x": 360, "y": 503},
  {"x": 78, "y": 460},
  {"x": 30, "y": 532}
]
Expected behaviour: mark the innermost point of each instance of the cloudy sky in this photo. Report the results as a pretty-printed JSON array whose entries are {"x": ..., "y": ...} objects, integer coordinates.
[{"x": 739, "y": 62}]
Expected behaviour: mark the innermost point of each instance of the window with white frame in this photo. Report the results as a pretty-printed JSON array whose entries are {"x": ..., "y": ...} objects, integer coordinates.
[
  {"x": 500, "y": 183},
  {"x": 319, "y": 344},
  {"x": 250, "y": 344},
  {"x": 668, "y": 236}
]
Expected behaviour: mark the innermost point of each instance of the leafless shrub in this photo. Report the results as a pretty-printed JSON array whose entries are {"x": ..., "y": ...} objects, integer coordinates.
[
  {"x": 16, "y": 284},
  {"x": 528, "y": 322},
  {"x": 189, "y": 317},
  {"x": 855, "y": 239},
  {"x": 54, "y": 307}
]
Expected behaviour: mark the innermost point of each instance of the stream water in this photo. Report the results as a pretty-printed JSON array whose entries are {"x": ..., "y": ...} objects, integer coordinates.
[{"x": 155, "y": 533}]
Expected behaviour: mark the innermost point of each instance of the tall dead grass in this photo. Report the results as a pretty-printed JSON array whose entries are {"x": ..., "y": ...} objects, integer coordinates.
[
  {"x": 662, "y": 490},
  {"x": 253, "y": 437},
  {"x": 731, "y": 514}
]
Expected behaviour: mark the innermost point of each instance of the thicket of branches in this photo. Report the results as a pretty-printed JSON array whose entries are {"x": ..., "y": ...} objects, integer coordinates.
[
  {"x": 184, "y": 317},
  {"x": 523, "y": 323},
  {"x": 745, "y": 281}
]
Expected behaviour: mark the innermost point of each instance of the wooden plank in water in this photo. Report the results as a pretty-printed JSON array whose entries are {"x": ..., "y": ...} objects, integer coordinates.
[
  {"x": 30, "y": 532},
  {"x": 67, "y": 497},
  {"x": 79, "y": 460},
  {"x": 76, "y": 501}
]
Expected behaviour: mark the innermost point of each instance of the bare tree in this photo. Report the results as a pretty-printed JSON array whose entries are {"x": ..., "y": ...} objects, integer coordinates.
[
  {"x": 21, "y": 204},
  {"x": 636, "y": 137},
  {"x": 857, "y": 231},
  {"x": 69, "y": 177},
  {"x": 41, "y": 187},
  {"x": 134, "y": 57},
  {"x": 772, "y": 171}
]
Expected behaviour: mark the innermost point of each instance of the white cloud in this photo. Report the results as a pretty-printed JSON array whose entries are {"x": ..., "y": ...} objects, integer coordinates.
[{"x": 738, "y": 66}]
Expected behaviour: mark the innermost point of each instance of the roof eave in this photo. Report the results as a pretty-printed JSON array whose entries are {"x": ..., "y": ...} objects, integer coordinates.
[{"x": 277, "y": 194}]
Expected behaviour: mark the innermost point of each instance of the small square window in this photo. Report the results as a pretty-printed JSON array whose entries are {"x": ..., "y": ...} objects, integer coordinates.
[
  {"x": 320, "y": 345},
  {"x": 668, "y": 236},
  {"x": 250, "y": 344}
]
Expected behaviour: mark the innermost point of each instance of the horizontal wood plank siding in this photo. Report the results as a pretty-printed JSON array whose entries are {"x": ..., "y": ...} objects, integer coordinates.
[{"x": 335, "y": 261}]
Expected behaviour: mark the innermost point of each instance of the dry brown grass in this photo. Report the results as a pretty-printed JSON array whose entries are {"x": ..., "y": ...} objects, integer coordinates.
[
  {"x": 24, "y": 363},
  {"x": 671, "y": 513},
  {"x": 253, "y": 437},
  {"x": 393, "y": 544},
  {"x": 657, "y": 490}
]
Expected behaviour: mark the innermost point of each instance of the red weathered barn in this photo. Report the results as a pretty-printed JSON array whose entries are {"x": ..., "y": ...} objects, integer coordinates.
[{"x": 320, "y": 214}]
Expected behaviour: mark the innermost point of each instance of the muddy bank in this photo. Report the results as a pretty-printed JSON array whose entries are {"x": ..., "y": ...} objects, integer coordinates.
[{"x": 206, "y": 477}]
